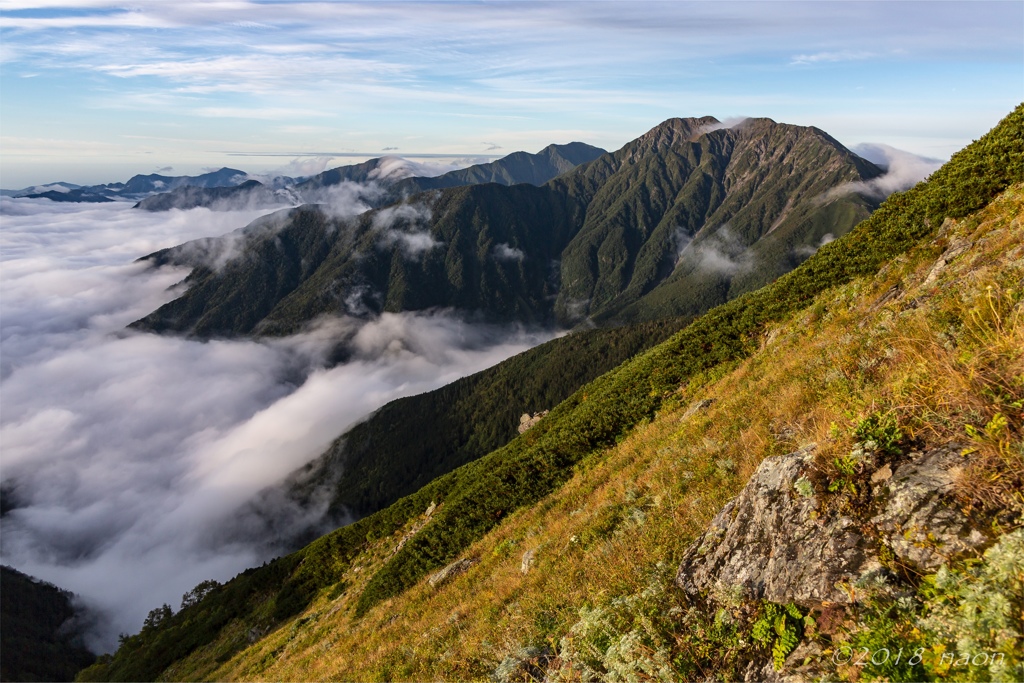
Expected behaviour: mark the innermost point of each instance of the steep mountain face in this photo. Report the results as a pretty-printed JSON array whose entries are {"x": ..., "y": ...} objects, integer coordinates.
[
  {"x": 372, "y": 169},
  {"x": 556, "y": 556},
  {"x": 518, "y": 167},
  {"x": 691, "y": 214},
  {"x": 674, "y": 223},
  {"x": 482, "y": 248}
]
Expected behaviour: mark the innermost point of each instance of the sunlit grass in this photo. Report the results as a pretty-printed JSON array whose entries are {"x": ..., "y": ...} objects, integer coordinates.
[{"x": 945, "y": 357}]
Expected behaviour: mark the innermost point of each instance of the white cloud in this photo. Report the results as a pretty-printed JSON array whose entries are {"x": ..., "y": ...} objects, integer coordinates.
[
  {"x": 126, "y": 452},
  {"x": 405, "y": 224},
  {"x": 831, "y": 57},
  {"x": 903, "y": 170},
  {"x": 505, "y": 252},
  {"x": 723, "y": 252}
]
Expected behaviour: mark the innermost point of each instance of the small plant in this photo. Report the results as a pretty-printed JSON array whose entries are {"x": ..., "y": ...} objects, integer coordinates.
[
  {"x": 803, "y": 487},
  {"x": 847, "y": 468},
  {"x": 976, "y": 613},
  {"x": 779, "y": 627},
  {"x": 883, "y": 430},
  {"x": 504, "y": 548}
]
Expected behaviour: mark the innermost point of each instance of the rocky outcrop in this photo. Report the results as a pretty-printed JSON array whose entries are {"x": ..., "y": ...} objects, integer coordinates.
[
  {"x": 526, "y": 420},
  {"x": 451, "y": 571},
  {"x": 698, "y": 407},
  {"x": 528, "y": 559},
  {"x": 419, "y": 524},
  {"x": 919, "y": 520},
  {"x": 785, "y": 539}
]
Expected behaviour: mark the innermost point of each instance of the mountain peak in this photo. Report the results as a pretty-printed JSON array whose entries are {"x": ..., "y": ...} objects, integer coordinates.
[{"x": 672, "y": 131}]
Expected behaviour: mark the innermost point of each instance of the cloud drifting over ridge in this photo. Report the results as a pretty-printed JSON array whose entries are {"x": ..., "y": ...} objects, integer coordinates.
[
  {"x": 124, "y": 453},
  {"x": 902, "y": 169}
]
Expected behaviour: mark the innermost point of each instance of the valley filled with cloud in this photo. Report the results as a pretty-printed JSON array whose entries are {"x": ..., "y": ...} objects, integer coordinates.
[{"x": 127, "y": 455}]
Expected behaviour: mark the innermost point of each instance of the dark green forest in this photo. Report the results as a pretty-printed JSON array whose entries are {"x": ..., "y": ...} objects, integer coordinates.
[{"x": 39, "y": 638}]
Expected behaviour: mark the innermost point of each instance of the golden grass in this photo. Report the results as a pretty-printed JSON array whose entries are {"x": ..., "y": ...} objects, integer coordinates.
[{"x": 946, "y": 358}]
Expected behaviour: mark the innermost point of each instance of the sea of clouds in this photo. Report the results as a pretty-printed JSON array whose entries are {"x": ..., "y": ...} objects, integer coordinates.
[{"x": 124, "y": 454}]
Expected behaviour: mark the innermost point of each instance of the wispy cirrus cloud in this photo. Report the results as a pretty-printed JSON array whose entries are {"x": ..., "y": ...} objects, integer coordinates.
[
  {"x": 832, "y": 57},
  {"x": 507, "y": 70}
]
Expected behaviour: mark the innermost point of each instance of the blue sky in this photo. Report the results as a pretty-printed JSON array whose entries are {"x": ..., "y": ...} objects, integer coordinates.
[{"x": 96, "y": 91}]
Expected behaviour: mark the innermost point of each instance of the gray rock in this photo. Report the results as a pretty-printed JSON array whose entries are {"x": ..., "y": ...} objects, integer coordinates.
[
  {"x": 955, "y": 249},
  {"x": 526, "y": 421},
  {"x": 697, "y": 407},
  {"x": 528, "y": 558},
  {"x": 451, "y": 571},
  {"x": 771, "y": 543},
  {"x": 920, "y": 520},
  {"x": 775, "y": 542}
]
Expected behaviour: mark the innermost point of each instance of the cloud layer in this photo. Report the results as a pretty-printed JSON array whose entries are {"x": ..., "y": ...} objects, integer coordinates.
[{"x": 126, "y": 454}]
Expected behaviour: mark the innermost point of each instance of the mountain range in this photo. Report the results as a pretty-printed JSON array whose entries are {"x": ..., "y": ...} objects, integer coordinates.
[
  {"x": 390, "y": 178},
  {"x": 763, "y": 181},
  {"x": 138, "y": 186},
  {"x": 678, "y": 221}
]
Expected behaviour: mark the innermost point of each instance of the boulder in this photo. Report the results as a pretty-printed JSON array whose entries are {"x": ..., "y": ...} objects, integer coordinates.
[
  {"x": 451, "y": 571},
  {"x": 772, "y": 543},
  {"x": 776, "y": 540},
  {"x": 526, "y": 420},
  {"x": 528, "y": 558},
  {"x": 919, "y": 520}
]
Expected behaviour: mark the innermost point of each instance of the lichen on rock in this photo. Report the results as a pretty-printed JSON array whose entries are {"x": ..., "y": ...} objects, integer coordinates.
[{"x": 776, "y": 541}]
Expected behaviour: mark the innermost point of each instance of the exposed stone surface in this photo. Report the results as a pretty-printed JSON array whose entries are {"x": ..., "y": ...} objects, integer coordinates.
[
  {"x": 528, "y": 558},
  {"x": 416, "y": 527},
  {"x": 883, "y": 473},
  {"x": 526, "y": 420},
  {"x": 919, "y": 520},
  {"x": 771, "y": 543},
  {"x": 776, "y": 541},
  {"x": 697, "y": 407},
  {"x": 955, "y": 249},
  {"x": 451, "y": 571}
]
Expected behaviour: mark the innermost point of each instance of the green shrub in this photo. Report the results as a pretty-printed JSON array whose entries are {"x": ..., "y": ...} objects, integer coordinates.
[
  {"x": 779, "y": 627},
  {"x": 881, "y": 430}
]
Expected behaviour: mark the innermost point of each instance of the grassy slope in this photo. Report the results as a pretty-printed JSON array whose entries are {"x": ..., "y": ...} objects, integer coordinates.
[
  {"x": 476, "y": 497},
  {"x": 599, "y": 596}
]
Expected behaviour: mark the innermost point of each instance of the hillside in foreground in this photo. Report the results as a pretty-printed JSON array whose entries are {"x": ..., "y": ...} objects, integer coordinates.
[{"x": 573, "y": 552}]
